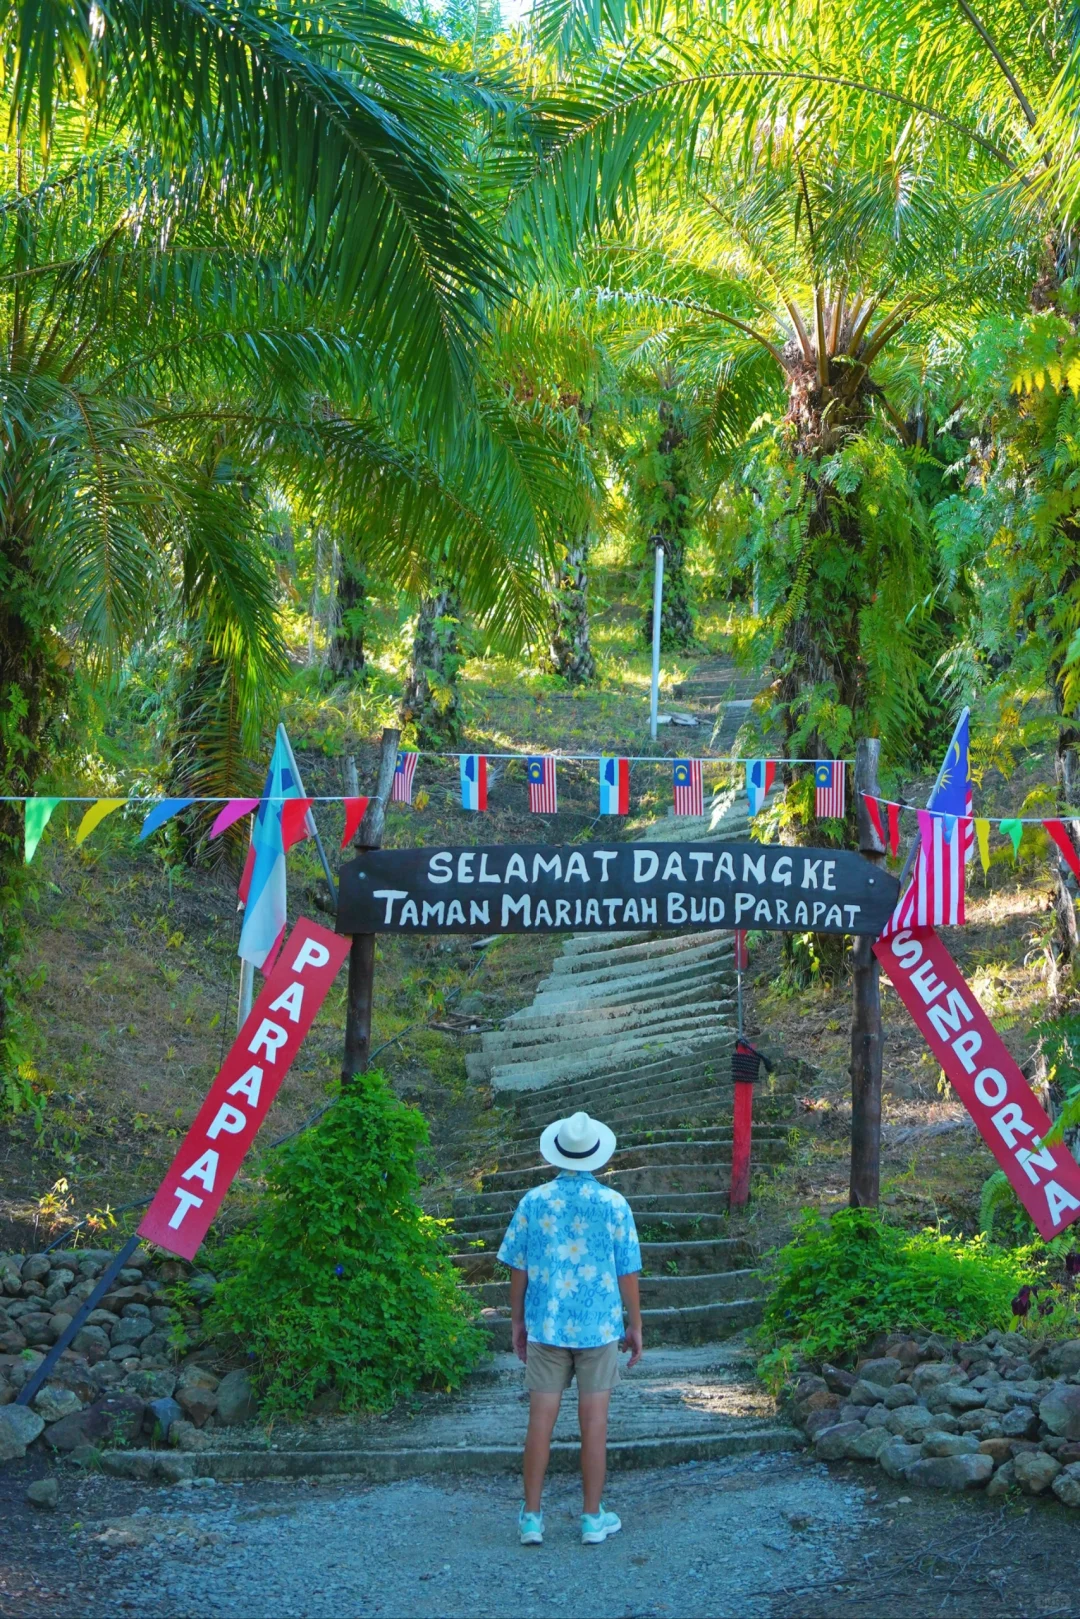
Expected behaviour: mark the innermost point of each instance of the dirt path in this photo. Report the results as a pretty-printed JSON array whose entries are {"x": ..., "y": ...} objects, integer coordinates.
[{"x": 767, "y": 1537}]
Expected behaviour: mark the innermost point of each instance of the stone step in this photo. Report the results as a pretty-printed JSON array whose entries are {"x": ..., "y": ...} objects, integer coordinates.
[
  {"x": 707, "y": 1153},
  {"x": 705, "y": 1190},
  {"x": 582, "y": 1035},
  {"x": 657, "y": 947},
  {"x": 515, "y": 1077},
  {"x": 655, "y": 1225},
  {"x": 707, "y": 1075},
  {"x": 701, "y": 951},
  {"x": 689, "y": 1258},
  {"x": 657, "y": 1292},
  {"x": 695, "y": 1324},
  {"x": 528, "y": 1153}
]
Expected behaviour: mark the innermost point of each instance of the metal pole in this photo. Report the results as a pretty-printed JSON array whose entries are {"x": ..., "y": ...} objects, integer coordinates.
[
  {"x": 247, "y": 993},
  {"x": 104, "y": 1286},
  {"x": 657, "y": 608}
]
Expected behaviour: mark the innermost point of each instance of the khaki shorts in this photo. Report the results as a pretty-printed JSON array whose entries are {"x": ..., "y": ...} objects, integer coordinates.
[{"x": 549, "y": 1368}]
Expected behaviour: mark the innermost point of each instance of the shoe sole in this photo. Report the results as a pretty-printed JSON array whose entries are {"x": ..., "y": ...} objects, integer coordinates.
[
  {"x": 596, "y": 1537},
  {"x": 531, "y": 1540}
]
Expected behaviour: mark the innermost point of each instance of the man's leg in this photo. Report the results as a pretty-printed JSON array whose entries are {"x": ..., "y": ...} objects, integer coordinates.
[
  {"x": 543, "y": 1410},
  {"x": 592, "y": 1420}
]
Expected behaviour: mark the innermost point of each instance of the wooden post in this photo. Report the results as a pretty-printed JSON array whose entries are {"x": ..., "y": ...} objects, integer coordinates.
[
  {"x": 866, "y": 1009},
  {"x": 362, "y": 955}
]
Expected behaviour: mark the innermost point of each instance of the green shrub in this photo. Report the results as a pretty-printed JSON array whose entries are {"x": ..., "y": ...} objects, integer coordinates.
[
  {"x": 841, "y": 1281},
  {"x": 341, "y": 1281}
]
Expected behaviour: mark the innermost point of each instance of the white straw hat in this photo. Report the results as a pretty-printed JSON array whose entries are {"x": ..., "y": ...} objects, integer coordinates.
[{"x": 577, "y": 1143}]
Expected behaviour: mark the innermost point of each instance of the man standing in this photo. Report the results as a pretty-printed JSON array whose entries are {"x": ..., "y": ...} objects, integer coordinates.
[{"x": 574, "y": 1257}]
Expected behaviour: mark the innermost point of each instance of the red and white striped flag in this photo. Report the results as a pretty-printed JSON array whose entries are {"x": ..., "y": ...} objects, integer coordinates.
[
  {"x": 689, "y": 793},
  {"x": 404, "y": 771},
  {"x": 935, "y": 895},
  {"x": 829, "y": 779},
  {"x": 543, "y": 793}
]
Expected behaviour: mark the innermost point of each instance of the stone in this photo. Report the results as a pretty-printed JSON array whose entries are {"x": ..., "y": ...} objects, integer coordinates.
[
  {"x": 90, "y": 1341},
  {"x": 1060, "y": 1410},
  {"x": 200, "y": 1403},
  {"x": 883, "y": 1371},
  {"x": 1069, "y": 1452},
  {"x": 900, "y": 1394},
  {"x": 151, "y": 1385},
  {"x": 51, "y": 1403},
  {"x": 853, "y": 1413},
  {"x": 185, "y": 1436},
  {"x": 971, "y": 1421},
  {"x": 911, "y": 1422},
  {"x": 43, "y": 1493},
  {"x": 950, "y": 1444},
  {"x": 12, "y": 1343},
  {"x": 194, "y": 1376},
  {"x": 952, "y": 1472},
  {"x": 36, "y": 1267},
  {"x": 1035, "y": 1471},
  {"x": 19, "y": 1427},
  {"x": 129, "y": 1274},
  {"x": 928, "y": 1374},
  {"x": 59, "y": 1323},
  {"x": 91, "y": 1268},
  {"x": 160, "y": 1416},
  {"x": 905, "y": 1350},
  {"x": 896, "y": 1457},
  {"x": 989, "y": 1428},
  {"x": 997, "y": 1449},
  {"x": 131, "y": 1310},
  {"x": 808, "y": 1384},
  {"x": 1066, "y": 1486},
  {"x": 1064, "y": 1359},
  {"x": 154, "y": 1346},
  {"x": 1053, "y": 1444},
  {"x": 102, "y": 1318},
  {"x": 877, "y": 1417},
  {"x": 126, "y": 1295},
  {"x": 37, "y": 1328},
  {"x": 24, "y": 1368},
  {"x": 839, "y": 1381},
  {"x": 817, "y": 1420},
  {"x": 116, "y": 1419},
  {"x": 236, "y": 1399},
  {"x": 162, "y": 1315},
  {"x": 867, "y": 1444},
  {"x": 866, "y": 1393},
  {"x": 1002, "y": 1482},
  {"x": 7, "y": 1393},
  {"x": 958, "y": 1396},
  {"x": 132, "y": 1330},
  {"x": 830, "y": 1444}
]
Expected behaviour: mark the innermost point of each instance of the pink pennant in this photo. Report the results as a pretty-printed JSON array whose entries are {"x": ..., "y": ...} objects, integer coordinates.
[
  {"x": 294, "y": 813},
  {"x": 355, "y": 809},
  {"x": 232, "y": 812}
]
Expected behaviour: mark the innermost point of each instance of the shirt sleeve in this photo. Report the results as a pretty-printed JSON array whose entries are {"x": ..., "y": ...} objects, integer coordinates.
[
  {"x": 627, "y": 1247},
  {"x": 514, "y": 1248}
]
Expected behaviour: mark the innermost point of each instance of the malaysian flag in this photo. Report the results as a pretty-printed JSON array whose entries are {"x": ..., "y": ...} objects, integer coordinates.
[
  {"x": 473, "y": 781},
  {"x": 614, "y": 786},
  {"x": 935, "y": 894},
  {"x": 760, "y": 775},
  {"x": 543, "y": 796},
  {"x": 689, "y": 795},
  {"x": 404, "y": 771},
  {"x": 829, "y": 779}
]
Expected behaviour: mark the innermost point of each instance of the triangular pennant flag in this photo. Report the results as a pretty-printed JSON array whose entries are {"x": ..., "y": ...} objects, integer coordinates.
[
  {"x": 894, "y": 829},
  {"x": 926, "y": 831},
  {"x": 1014, "y": 831},
  {"x": 982, "y": 838},
  {"x": 1060, "y": 835},
  {"x": 161, "y": 813},
  {"x": 95, "y": 815},
  {"x": 233, "y": 810},
  {"x": 355, "y": 810},
  {"x": 38, "y": 811},
  {"x": 949, "y": 827},
  {"x": 875, "y": 817},
  {"x": 294, "y": 814}
]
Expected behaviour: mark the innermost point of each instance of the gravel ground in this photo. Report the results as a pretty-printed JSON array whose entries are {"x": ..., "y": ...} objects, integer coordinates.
[{"x": 765, "y": 1537}]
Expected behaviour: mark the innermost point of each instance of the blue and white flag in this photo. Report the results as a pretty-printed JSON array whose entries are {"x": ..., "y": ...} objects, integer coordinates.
[
  {"x": 473, "y": 781},
  {"x": 265, "y": 897}
]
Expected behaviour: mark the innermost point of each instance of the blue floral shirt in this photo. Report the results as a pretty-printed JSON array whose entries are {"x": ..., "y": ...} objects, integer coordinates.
[{"x": 574, "y": 1237}]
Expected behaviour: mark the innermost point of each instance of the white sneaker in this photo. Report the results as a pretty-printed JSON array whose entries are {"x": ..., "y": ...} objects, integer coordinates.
[
  {"x": 530, "y": 1527},
  {"x": 597, "y": 1526}
]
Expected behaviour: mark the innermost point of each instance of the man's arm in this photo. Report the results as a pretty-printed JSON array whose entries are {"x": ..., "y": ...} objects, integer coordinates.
[
  {"x": 519, "y": 1281},
  {"x": 631, "y": 1297}
]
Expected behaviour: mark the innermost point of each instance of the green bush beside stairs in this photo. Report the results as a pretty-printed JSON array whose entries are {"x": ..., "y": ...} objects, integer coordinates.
[{"x": 341, "y": 1281}]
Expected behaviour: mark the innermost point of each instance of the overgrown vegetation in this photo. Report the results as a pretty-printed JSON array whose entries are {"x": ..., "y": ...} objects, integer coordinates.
[
  {"x": 341, "y": 1281},
  {"x": 840, "y": 1281}
]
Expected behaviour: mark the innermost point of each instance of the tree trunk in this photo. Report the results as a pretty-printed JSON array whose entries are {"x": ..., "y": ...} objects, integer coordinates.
[
  {"x": 347, "y": 660},
  {"x": 431, "y": 703},
  {"x": 669, "y": 508},
  {"x": 569, "y": 652}
]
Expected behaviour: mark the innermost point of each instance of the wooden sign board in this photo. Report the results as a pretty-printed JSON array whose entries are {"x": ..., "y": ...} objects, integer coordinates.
[{"x": 598, "y": 888}]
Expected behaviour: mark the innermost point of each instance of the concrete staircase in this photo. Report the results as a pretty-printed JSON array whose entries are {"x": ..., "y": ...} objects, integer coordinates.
[{"x": 637, "y": 1029}]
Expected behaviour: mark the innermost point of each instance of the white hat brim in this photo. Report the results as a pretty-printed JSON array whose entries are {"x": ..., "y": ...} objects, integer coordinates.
[{"x": 604, "y": 1148}]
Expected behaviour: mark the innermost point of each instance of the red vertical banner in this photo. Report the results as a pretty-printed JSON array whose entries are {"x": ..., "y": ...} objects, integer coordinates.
[
  {"x": 987, "y": 1080},
  {"x": 240, "y": 1097},
  {"x": 742, "y": 1129}
]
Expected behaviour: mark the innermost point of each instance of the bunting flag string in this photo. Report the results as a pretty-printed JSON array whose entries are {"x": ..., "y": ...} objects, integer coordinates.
[
  {"x": 38, "y": 811},
  {"x": 355, "y": 810},
  {"x": 161, "y": 813},
  {"x": 1059, "y": 832},
  {"x": 95, "y": 815}
]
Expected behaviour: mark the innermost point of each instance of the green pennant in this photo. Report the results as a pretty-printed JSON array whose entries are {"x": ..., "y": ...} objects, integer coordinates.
[
  {"x": 1014, "y": 831},
  {"x": 38, "y": 811}
]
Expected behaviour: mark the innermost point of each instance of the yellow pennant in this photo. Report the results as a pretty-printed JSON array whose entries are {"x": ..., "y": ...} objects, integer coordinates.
[
  {"x": 95, "y": 815},
  {"x": 982, "y": 833}
]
